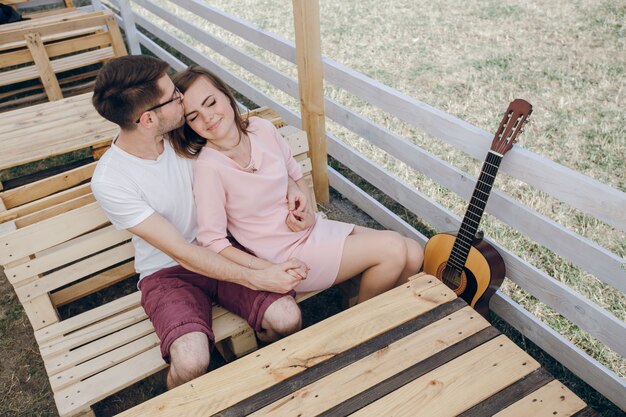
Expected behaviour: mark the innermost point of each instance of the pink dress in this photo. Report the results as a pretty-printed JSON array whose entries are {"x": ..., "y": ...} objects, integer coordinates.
[{"x": 251, "y": 203}]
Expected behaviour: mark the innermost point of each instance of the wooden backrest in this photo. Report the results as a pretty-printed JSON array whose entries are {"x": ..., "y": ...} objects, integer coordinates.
[
  {"x": 32, "y": 51},
  {"x": 63, "y": 258}
]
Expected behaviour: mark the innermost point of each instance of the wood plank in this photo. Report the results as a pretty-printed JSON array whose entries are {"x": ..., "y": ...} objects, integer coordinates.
[
  {"x": 298, "y": 352},
  {"x": 459, "y": 384},
  {"x": 70, "y": 251},
  {"x": 89, "y": 317},
  {"x": 41, "y": 313},
  {"x": 44, "y": 67},
  {"x": 575, "y": 307},
  {"x": 50, "y": 232},
  {"x": 108, "y": 326},
  {"x": 585, "y": 253},
  {"x": 39, "y": 193},
  {"x": 87, "y": 21},
  {"x": 76, "y": 373},
  {"x": 108, "y": 382},
  {"x": 64, "y": 361},
  {"x": 323, "y": 395},
  {"x": 511, "y": 394},
  {"x": 54, "y": 211},
  {"x": 130, "y": 30},
  {"x": 575, "y": 359},
  {"x": 75, "y": 272},
  {"x": 554, "y": 399},
  {"x": 93, "y": 284},
  {"x": 339, "y": 361}
]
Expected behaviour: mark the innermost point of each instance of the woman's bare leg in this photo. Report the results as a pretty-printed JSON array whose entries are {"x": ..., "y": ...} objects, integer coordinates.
[
  {"x": 414, "y": 260},
  {"x": 381, "y": 255}
]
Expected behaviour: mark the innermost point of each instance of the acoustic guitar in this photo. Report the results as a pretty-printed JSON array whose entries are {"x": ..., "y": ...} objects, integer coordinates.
[{"x": 465, "y": 262}]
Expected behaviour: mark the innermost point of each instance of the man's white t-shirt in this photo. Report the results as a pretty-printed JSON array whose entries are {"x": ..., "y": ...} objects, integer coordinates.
[{"x": 130, "y": 189}]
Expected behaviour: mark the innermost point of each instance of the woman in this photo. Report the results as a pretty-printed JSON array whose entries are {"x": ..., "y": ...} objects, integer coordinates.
[{"x": 241, "y": 175}]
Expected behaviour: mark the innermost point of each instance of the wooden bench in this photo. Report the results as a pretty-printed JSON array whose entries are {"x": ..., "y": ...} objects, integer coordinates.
[
  {"x": 43, "y": 48},
  {"x": 414, "y": 350},
  {"x": 70, "y": 256}
]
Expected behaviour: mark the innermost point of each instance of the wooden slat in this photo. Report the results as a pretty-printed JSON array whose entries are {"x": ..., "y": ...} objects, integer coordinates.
[
  {"x": 50, "y": 232},
  {"x": 73, "y": 250},
  {"x": 89, "y": 317},
  {"x": 361, "y": 375},
  {"x": 87, "y": 21},
  {"x": 510, "y": 394},
  {"x": 459, "y": 384},
  {"x": 55, "y": 210},
  {"x": 38, "y": 190},
  {"x": 100, "y": 386},
  {"x": 553, "y": 293},
  {"x": 62, "y": 360},
  {"x": 44, "y": 68},
  {"x": 299, "y": 351},
  {"x": 554, "y": 399},
  {"x": 77, "y": 373},
  {"x": 119, "y": 49},
  {"x": 576, "y": 360},
  {"x": 110, "y": 325},
  {"x": 93, "y": 284},
  {"x": 75, "y": 272}
]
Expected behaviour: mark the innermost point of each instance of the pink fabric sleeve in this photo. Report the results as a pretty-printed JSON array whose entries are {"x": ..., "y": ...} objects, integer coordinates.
[
  {"x": 210, "y": 198},
  {"x": 293, "y": 168}
]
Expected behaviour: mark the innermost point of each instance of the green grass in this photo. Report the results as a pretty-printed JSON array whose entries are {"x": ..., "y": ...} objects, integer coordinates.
[{"x": 470, "y": 59}]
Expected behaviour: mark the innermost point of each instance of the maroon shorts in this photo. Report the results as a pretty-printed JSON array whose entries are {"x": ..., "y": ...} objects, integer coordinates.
[{"x": 178, "y": 302}]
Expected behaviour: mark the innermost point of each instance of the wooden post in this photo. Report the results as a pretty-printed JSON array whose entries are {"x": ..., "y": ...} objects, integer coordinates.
[
  {"x": 310, "y": 81},
  {"x": 130, "y": 30}
]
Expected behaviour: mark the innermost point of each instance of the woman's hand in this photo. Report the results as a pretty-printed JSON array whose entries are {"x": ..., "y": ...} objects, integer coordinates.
[{"x": 298, "y": 221}]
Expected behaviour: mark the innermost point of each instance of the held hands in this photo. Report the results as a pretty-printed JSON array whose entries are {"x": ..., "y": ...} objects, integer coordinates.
[{"x": 280, "y": 278}]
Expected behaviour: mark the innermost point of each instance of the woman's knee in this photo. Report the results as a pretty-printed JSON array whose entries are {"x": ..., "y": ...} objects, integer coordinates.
[
  {"x": 393, "y": 247},
  {"x": 189, "y": 356},
  {"x": 415, "y": 255},
  {"x": 283, "y": 316}
]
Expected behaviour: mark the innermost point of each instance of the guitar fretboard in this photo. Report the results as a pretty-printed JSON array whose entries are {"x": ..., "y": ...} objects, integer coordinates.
[{"x": 474, "y": 212}]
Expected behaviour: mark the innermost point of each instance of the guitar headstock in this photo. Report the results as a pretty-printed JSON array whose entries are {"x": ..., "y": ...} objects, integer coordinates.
[{"x": 511, "y": 125}]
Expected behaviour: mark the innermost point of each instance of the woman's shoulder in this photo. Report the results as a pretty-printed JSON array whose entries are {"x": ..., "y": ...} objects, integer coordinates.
[{"x": 258, "y": 123}]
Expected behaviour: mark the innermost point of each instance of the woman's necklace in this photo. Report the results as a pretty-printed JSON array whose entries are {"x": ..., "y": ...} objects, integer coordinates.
[
  {"x": 250, "y": 166},
  {"x": 224, "y": 148}
]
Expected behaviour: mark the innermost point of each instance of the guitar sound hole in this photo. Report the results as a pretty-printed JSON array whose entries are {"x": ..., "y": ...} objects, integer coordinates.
[{"x": 454, "y": 280}]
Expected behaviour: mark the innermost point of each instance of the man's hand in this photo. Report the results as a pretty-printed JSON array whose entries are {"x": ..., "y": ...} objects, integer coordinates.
[{"x": 280, "y": 278}]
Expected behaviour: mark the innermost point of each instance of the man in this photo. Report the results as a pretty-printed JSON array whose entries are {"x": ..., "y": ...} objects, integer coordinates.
[{"x": 145, "y": 188}]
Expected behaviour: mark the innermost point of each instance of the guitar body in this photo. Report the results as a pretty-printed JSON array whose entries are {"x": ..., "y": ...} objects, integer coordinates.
[{"x": 483, "y": 271}]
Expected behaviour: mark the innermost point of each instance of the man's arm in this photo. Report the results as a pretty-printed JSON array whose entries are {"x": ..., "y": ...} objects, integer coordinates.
[{"x": 161, "y": 234}]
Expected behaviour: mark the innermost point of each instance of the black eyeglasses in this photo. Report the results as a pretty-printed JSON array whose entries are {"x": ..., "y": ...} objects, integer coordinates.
[{"x": 176, "y": 97}]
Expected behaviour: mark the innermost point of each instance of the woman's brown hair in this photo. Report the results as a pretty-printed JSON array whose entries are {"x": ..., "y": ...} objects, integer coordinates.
[{"x": 184, "y": 140}]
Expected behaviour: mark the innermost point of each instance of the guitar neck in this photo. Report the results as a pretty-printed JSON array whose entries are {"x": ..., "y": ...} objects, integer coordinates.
[{"x": 475, "y": 210}]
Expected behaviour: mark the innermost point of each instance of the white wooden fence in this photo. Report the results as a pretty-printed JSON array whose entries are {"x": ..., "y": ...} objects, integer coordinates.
[{"x": 566, "y": 185}]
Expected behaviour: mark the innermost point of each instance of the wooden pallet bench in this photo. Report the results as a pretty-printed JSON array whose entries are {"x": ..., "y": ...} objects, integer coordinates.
[
  {"x": 70, "y": 251},
  {"x": 415, "y": 350},
  {"x": 46, "y": 47}
]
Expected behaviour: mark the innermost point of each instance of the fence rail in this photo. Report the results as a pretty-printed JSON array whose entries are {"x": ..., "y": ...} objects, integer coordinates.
[{"x": 571, "y": 187}]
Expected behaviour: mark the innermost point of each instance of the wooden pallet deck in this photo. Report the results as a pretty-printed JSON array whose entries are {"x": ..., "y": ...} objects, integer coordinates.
[{"x": 415, "y": 350}]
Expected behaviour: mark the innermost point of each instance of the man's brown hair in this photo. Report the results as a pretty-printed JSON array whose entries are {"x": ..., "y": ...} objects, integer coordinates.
[
  {"x": 126, "y": 87},
  {"x": 184, "y": 140}
]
